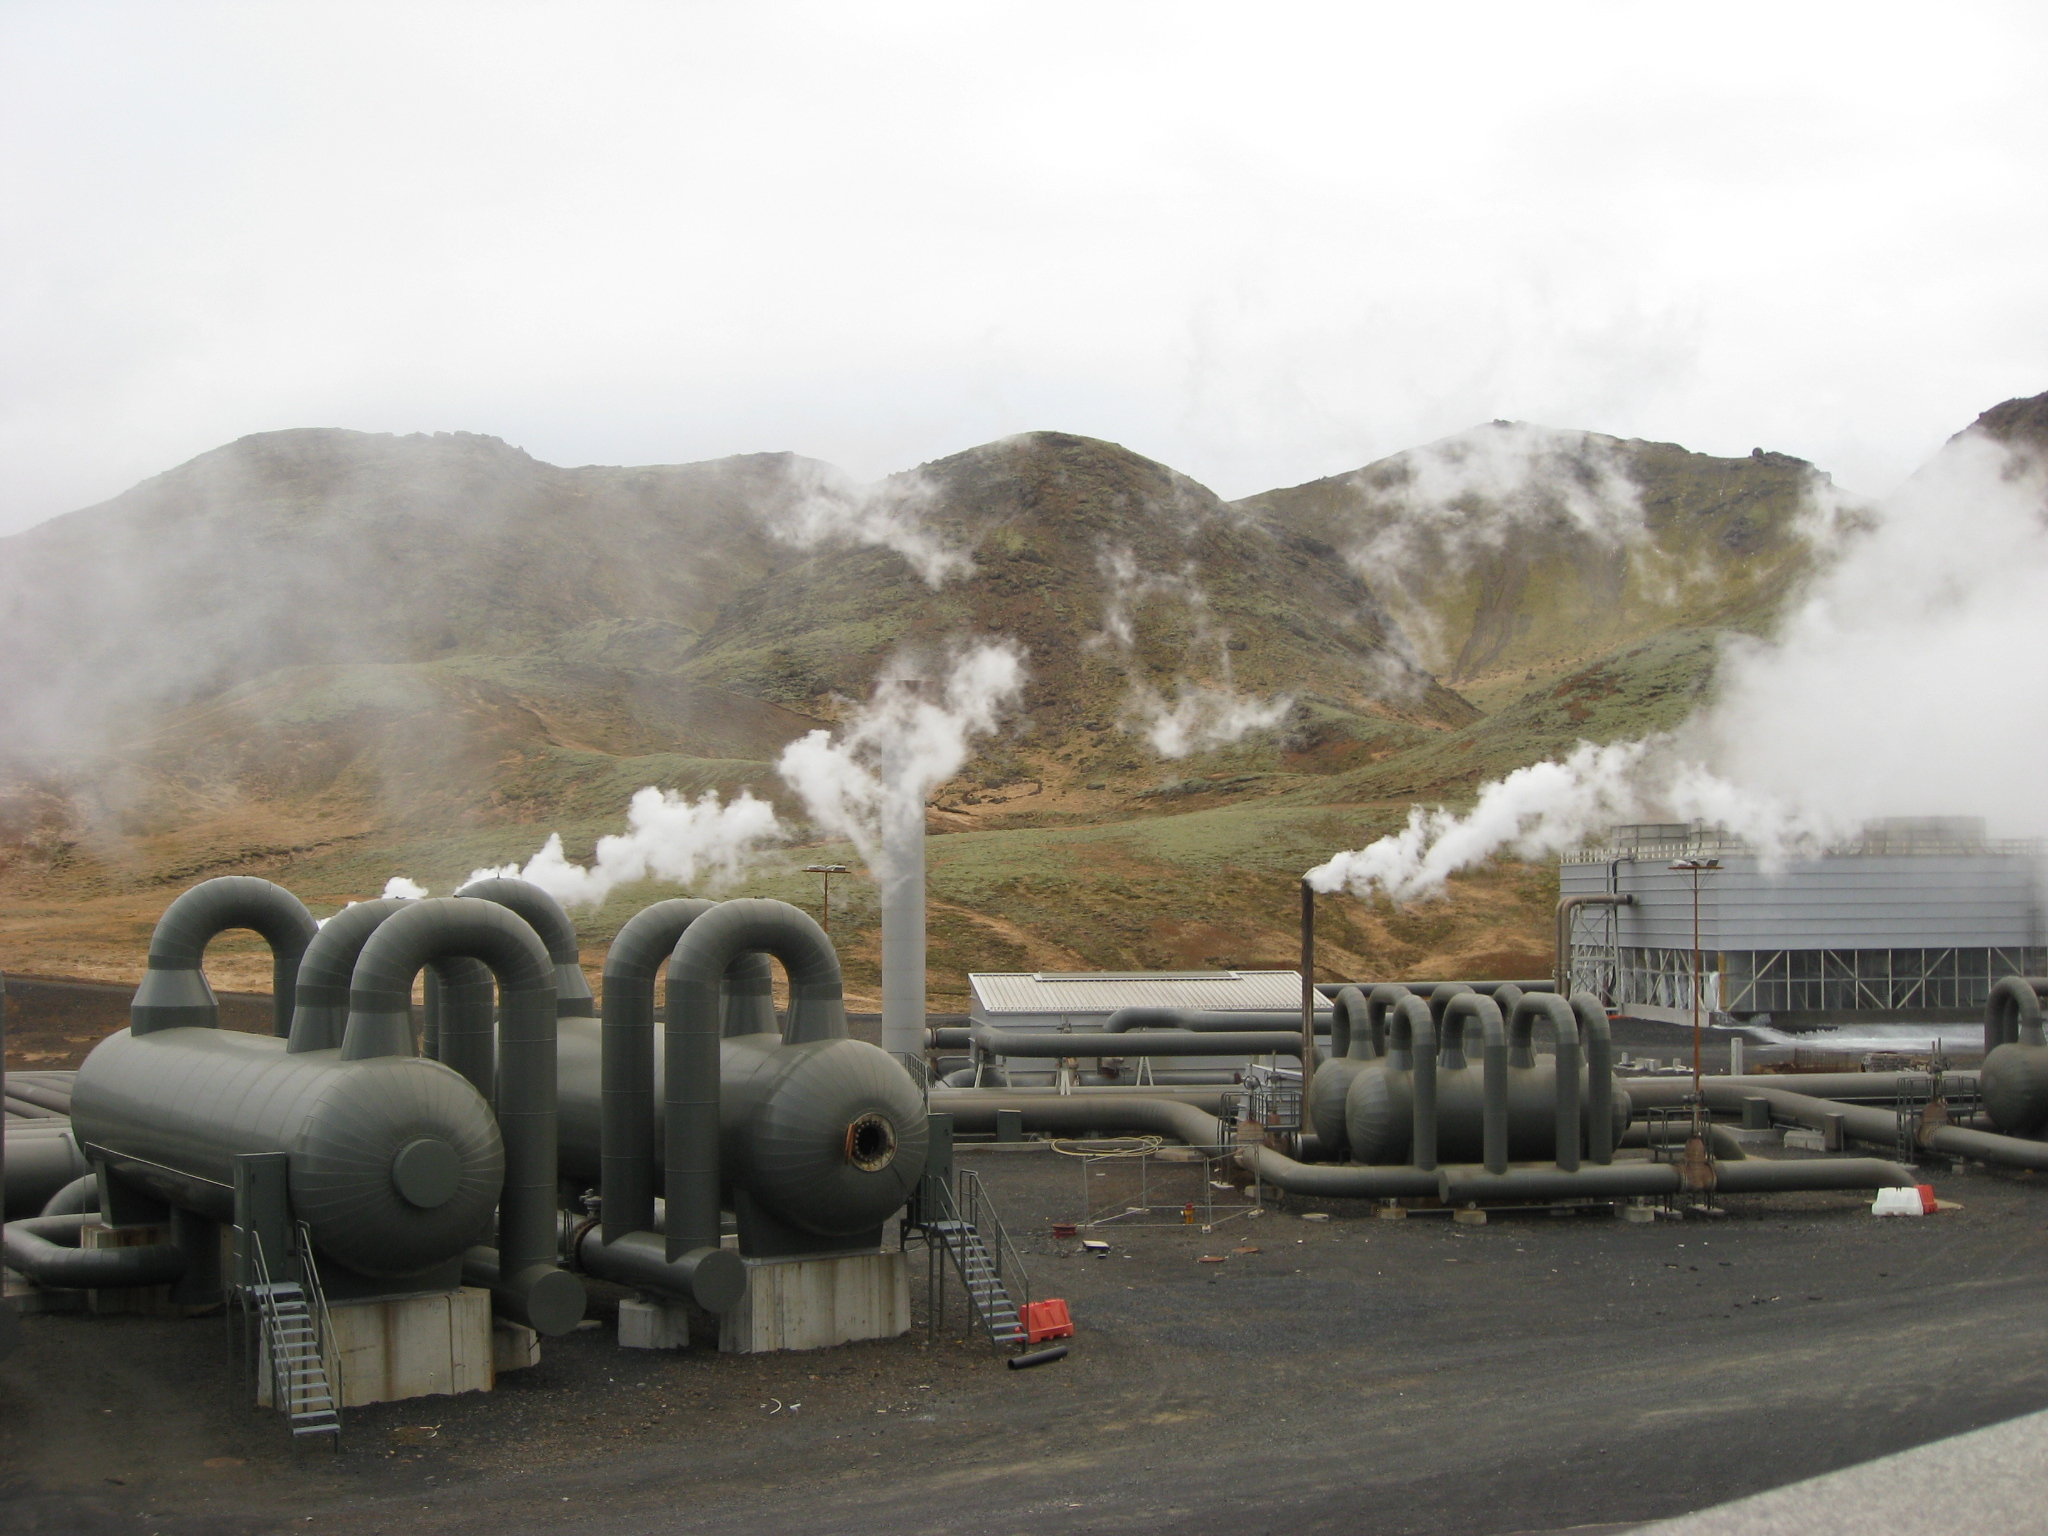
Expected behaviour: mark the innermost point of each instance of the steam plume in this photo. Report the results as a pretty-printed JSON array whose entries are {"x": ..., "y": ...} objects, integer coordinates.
[
  {"x": 1201, "y": 715},
  {"x": 826, "y": 505},
  {"x": 904, "y": 742},
  {"x": 668, "y": 837},
  {"x": 1911, "y": 679}
]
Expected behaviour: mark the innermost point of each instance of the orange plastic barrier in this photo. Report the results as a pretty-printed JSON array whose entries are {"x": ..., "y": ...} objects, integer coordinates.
[{"x": 1047, "y": 1320}]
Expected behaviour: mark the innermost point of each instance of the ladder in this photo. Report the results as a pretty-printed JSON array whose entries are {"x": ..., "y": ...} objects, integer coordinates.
[
  {"x": 957, "y": 1230},
  {"x": 295, "y": 1326}
]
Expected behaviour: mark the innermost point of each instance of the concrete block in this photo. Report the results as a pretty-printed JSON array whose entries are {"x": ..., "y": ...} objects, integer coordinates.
[
  {"x": 418, "y": 1346},
  {"x": 514, "y": 1346},
  {"x": 1801, "y": 1139},
  {"x": 1469, "y": 1218},
  {"x": 653, "y": 1325},
  {"x": 814, "y": 1303},
  {"x": 1642, "y": 1215}
]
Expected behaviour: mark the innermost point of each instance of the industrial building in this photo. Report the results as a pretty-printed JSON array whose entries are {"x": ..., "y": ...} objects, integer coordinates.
[{"x": 1912, "y": 921}]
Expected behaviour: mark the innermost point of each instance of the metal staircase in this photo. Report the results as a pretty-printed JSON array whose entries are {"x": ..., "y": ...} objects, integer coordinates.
[
  {"x": 962, "y": 1225},
  {"x": 294, "y": 1333}
]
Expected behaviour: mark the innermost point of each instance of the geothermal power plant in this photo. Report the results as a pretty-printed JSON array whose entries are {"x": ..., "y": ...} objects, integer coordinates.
[{"x": 392, "y": 1199}]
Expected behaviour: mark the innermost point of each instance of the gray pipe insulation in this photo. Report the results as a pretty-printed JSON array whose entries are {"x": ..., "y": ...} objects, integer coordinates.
[
  {"x": 46, "y": 1250},
  {"x": 628, "y": 1248},
  {"x": 1219, "y": 1020},
  {"x": 40, "y": 1159},
  {"x": 974, "y": 1109},
  {"x": 1044, "y": 1044},
  {"x": 10, "y": 1316},
  {"x": 2014, "y": 1077},
  {"x": 522, "y": 1273},
  {"x": 174, "y": 992},
  {"x": 1865, "y": 1124},
  {"x": 691, "y": 1171},
  {"x": 1424, "y": 988},
  {"x": 1467, "y": 1186},
  {"x": 547, "y": 918},
  {"x": 38, "y": 1095}
]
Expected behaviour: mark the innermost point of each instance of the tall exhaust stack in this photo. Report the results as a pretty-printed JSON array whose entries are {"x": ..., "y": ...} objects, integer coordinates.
[
  {"x": 903, "y": 930},
  {"x": 903, "y": 939}
]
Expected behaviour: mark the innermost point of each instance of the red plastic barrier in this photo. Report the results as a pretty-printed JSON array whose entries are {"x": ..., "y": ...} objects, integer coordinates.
[
  {"x": 1046, "y": 1320},
  {"x": 1927, "y": 1201}
]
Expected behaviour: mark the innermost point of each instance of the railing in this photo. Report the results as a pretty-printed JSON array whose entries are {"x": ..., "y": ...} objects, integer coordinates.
[
  {"x": 979, "y": 1212},
  {"x": 309, "y": 1277}
]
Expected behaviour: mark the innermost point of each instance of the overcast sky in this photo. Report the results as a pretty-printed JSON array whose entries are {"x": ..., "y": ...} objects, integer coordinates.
[{"x": 1259, "y": 243}]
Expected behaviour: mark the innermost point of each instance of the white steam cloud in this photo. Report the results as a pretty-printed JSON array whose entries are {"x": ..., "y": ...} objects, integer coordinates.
[
  {"x": 669, "y": 837},
  {"x": 828, "y": 506},
  {"x": 398, "y": 888},
  {"x": 904, "y": 742},
  {"x": 1910, "y": 680},
  {"x": 1201, "y": 716}
]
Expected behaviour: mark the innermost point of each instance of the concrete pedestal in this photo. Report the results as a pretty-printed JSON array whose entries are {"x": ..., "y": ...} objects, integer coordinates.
[
  {"x": 814, "y": 1303},
  {"x": 654, "y": 1325},
  {"x": 420, "y": 1346}
]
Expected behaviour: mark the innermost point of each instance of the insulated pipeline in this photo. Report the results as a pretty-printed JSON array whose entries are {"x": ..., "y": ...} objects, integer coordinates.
[
  {"x": 1147, "y": 1042},
  {"x": 45, "y": 1248},
  {"x": 546, "y": 917},
  {"x": 974, "y": 1109},
  {"x": 1213, "y": 1019},
  {"x": 174, "y": 992},
  {"x": 522, "y": 1273}
]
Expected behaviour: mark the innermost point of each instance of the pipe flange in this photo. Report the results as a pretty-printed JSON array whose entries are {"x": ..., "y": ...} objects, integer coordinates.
[{"x": 871, "y": 1143}]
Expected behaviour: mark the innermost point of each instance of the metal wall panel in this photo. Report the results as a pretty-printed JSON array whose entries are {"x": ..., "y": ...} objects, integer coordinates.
[{"x": 1853, "y": 902}]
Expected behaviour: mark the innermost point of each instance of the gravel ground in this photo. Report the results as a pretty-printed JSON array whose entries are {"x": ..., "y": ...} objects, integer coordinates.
[{"x": 1346, "y": 1374}]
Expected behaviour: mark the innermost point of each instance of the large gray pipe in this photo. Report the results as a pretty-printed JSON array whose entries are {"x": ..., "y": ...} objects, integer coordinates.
[
  {"x": 1476, "y": 1008},
  {"x": 174, "y": 991},
  {"x": 1466, "y": 1186},
  {"x": 46, "y": 1250},
  {"x": 1424, "y": 988},
  {"x": 974, "y": 1109},
  {"x": 461, "y": 996},
  {"x": 628, "y": 1249},
  {"x": 2014, "y": 1077},
  {"x": 1216, "y": 1019},
  {"x": 320, "y": 993},
  {"x": 41, "y": 1158},
  {"x": 1046, "y": 1043},
  {"x": 692, "y": 1171},
  {"x": 546, "y": 917},
  {"x": 1564, "y": 1020},
  {"x": 523, "y": 1274},
  {"x": 10, "y": 1316},
  {"x": 902, "y": 873},
  {"x": 1865, "y": 1124}
]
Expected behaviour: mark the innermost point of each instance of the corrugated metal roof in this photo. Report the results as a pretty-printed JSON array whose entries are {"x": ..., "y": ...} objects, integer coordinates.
[{"x": 1000, "y": 992}]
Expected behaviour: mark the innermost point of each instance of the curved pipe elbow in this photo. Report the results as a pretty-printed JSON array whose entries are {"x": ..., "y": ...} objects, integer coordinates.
[
  {"x": 548, "y": 918},
  {"x": 174, "y": 993},
  {"x": 45, "y": 1249}
]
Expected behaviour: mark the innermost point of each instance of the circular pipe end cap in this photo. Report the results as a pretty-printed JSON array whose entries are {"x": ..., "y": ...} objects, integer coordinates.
[
  {"x": 554, "y": 1301},
  {"x": 426, "y": 1172},
  {"x": 719, "y": 1280},
  {"x": 871, "y": 1143}
]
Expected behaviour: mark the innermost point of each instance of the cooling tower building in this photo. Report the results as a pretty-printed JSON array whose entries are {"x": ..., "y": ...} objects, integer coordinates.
[{"x": 1913, "y": 921}]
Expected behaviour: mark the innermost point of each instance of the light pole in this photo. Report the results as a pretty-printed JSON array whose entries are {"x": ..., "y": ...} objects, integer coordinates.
[
  {"x": 828, "y": 871},
  {"x": 1696, "y": 868}
]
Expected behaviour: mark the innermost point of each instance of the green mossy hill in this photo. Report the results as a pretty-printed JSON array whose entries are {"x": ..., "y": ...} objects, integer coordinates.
[
  {"x": 1510, "y": 553},
  {"x": 1107, "y": 569}
]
